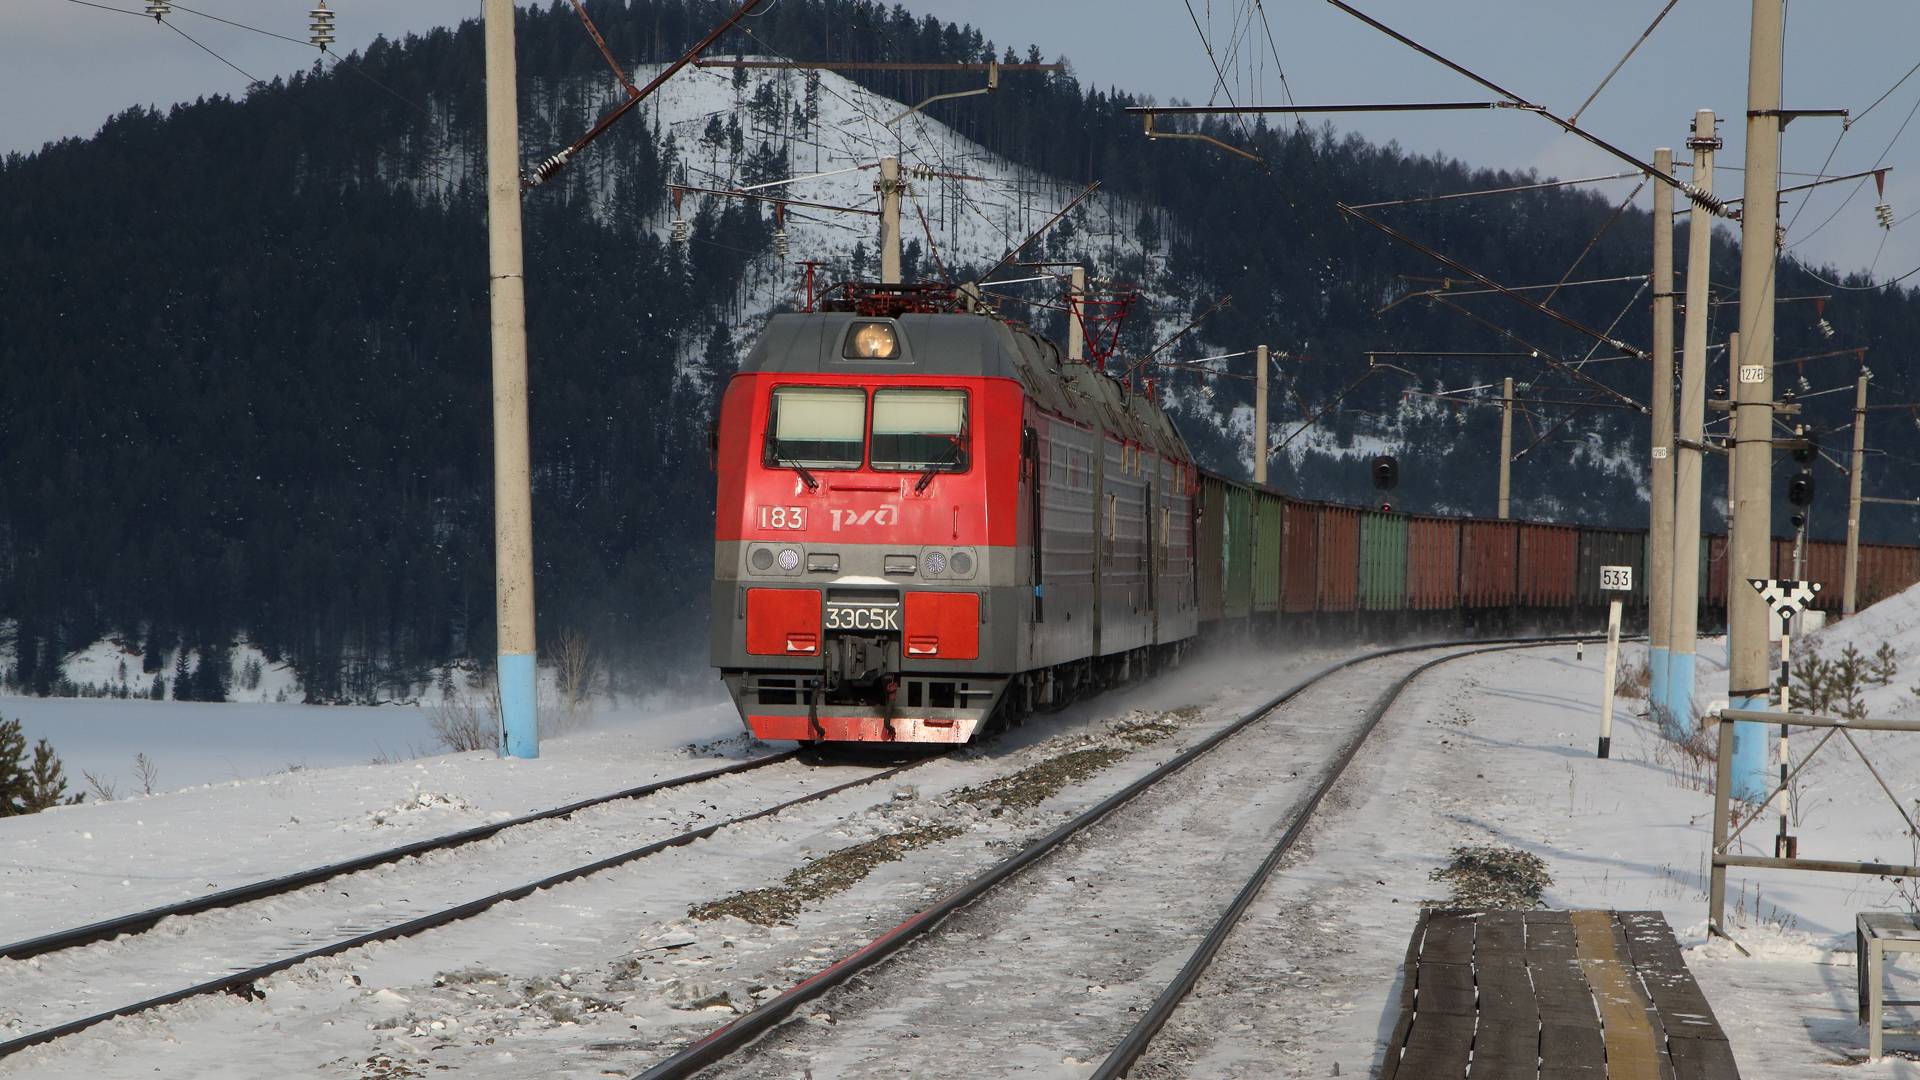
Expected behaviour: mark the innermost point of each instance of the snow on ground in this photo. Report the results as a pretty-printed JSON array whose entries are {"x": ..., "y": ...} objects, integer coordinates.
[
  {"x": 1500, "y": 749},
  {"x": 1894, "y": 621},
  {"x": 74, "y": 864},
  {"x": 545, "y": 985},
  {"x": 605, "y": 974}
]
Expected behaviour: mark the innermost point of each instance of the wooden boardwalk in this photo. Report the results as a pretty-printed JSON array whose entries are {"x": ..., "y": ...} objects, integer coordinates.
[{"x": 1552, "y": 995}]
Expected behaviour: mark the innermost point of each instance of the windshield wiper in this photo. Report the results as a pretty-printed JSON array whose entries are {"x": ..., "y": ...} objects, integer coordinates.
[
  {"x": 951, "y": 457},
  {"x": 806, "y": 477}
]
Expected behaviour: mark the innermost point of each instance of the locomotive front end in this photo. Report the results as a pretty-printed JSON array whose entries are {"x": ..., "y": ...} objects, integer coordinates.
[{"x": 855, "y": 563}]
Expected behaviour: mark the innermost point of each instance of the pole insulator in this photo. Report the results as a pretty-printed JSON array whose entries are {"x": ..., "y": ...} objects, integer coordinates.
[
  {"x": 1883, "y": 213},
  {"x": 320, "y": 25},
  {"x": 545, "y": 171},
  {"x": 159, "y": 9}
]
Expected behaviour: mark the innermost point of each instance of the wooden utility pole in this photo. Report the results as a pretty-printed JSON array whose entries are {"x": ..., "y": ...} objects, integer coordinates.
[
  {"x": 1747, "y": 613},
  {"x": 1660, "y": 551},
  {"x": 1260, "y": 416},
  {"x": 1690, "y": 438},
  {"x": 1850, "y": 599},
  {"x": 512, "y": 476},
  {"x": 1506, "y": 446}
]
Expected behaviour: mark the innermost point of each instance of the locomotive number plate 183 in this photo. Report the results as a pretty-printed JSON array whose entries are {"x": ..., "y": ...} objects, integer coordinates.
[{"x": 871, "y": 617}]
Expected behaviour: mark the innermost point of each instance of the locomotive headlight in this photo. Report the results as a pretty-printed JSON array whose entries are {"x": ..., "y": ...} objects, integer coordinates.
[
  {"x": 789, "y": 560},
  {"x": 761, "y": 559},
  {"x": 962, "y": 563},
  {"x": 936, "y": 563},
  {"x": 872, "y": 341}
]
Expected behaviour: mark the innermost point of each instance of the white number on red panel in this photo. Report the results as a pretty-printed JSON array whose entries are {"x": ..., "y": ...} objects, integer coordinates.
[{"x": 783, "y": 517}]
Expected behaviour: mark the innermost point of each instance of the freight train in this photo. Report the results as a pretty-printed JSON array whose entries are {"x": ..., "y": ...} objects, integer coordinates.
[{"x": 928, "y": 522}]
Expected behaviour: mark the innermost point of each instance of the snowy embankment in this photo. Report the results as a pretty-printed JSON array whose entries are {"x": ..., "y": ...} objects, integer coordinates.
[
  {"x": 610, "y": 971},
  {"x": 70, "y": 865}
]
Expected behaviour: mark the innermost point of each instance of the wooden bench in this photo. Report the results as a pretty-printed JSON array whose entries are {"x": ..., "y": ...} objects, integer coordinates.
[
  {"x": 1875, "y": 934},
  {"x": 1552, "y": 995}
]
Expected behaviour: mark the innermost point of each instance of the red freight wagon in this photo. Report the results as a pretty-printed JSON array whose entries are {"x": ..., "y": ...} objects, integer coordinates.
[
  {"x": 1715, "y": 579},
  {"x": 1548, "y": 557},
  {"x": 1301, "y": 575},
  {"x": 1433, "y": 563},
  {"x": 1488, "y": 557},
  {"x": 1339, "y": 558},
  {"x": 1885, "y": 570}
]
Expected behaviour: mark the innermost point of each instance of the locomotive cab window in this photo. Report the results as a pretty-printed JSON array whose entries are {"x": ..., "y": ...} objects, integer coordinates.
[
  {"x": 817, "y": 427},
  {"x": 920, "y": 430}
]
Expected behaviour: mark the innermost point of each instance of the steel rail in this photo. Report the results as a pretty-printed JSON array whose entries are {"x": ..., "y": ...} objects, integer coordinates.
[
  {"x": 725, "y": 1041},
  {"x": 138, "y": 921},
  {"x": 413, "y": 927},
  {"x": 1141, "y": 1035}
]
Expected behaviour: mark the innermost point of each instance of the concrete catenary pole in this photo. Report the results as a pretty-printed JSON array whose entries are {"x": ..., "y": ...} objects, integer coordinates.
[
  {"x": 889, "y": 221},
  {"x": 1753, "y": 403},
  {"x": 1690, "y": 432},
  {"x": 1660, "y": 553},
  {"x": 1260, "y": 415},
  {"x": 1849, "y": 601},
  {"x": 1506, "y": 446},
  {"x": 512, "y": 478},
  {"x": 1076, "y": 333}
]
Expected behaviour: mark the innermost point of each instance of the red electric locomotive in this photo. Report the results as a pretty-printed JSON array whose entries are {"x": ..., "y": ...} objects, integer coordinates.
[{"x": 927, "y": 521}]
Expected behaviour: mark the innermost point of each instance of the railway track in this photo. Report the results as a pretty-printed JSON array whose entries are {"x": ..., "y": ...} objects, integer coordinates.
[
  {"x": 965, "y": 972},
  {"x": 141, "y": 921},
  {"x": 61, "y": 960}
]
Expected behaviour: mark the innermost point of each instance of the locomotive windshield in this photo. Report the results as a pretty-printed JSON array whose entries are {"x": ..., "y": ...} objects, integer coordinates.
[
  {"x": 817, "y": 427},
  {"x": 916, "y": 430}
]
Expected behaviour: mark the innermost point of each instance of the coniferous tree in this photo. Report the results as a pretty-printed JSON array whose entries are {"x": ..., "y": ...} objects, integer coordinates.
[
  {"x": 28, "y": 788},
  {"x": 182, "y": 676}
]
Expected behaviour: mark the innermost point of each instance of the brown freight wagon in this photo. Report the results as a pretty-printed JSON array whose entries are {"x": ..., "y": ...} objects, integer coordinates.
[
  {"x": 1489, "y": 557},
  {"x": 1885, "y": 570},
  {"x": 1300, "y": 571},
  {"x": 1433, "y": 563},
  {"x": 1210, "y": 555},
  {"x": 1339, "y": 558},
  {"x": 1549, "y": 556}
]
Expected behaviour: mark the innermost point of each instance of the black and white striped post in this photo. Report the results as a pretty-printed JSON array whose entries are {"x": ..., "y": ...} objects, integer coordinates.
[
  {"x": 1612, "y": 579},
  {"x": 1786, "y": 597}
]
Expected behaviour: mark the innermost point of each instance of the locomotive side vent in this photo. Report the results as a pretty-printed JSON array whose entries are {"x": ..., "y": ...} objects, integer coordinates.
[
  {"x": 779, "y": 691},
  {"x": 932, "y": 694}
]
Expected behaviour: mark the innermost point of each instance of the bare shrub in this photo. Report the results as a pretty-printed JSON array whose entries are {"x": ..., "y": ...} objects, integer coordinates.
[
  {"x": 1691, "y": 760},
  {"x": 145, "y": 772},
  {"x": 576, "y": 668},
  {"x": 103, "y": 789},
  {"x": 1631, "y": 679},
  {"x": 576, "y": 677},
  {"x": 464, "y": 721}
]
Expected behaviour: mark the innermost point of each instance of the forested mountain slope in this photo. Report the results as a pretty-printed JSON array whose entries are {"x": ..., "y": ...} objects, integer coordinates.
[{"x": 245, "y": 342}]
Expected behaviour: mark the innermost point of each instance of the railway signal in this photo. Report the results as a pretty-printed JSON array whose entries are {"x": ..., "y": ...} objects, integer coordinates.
[
  {"x": 1386, "y": 472},
  {"x": 1800, "y": 488},
  {"x": 1786, "y": 598}
]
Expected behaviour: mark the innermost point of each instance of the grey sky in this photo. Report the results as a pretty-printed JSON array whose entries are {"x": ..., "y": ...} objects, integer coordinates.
[{"x": 65, "y": 67}]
